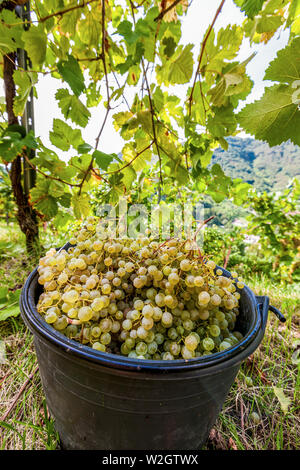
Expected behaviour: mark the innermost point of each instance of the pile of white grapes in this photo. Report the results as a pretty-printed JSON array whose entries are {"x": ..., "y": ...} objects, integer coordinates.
[{"x": 138, "y": 297}]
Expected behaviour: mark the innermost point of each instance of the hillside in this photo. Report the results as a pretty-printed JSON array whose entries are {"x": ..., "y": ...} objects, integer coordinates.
[{"x": 267, "y": 168}]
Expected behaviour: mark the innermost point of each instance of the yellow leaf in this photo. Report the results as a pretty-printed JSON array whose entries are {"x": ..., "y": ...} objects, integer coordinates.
[{"x": 282, "y": 398}]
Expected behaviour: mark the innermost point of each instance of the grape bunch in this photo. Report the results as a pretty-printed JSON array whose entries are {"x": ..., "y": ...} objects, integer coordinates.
[{"x": 138, "y": 297}]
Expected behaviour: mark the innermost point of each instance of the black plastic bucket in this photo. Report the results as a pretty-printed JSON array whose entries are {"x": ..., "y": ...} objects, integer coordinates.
[{"x": 107, "y": 401}]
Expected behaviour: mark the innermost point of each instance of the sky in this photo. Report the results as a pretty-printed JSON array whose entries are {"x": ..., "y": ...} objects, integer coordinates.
[{"x": 194, "y": 24}]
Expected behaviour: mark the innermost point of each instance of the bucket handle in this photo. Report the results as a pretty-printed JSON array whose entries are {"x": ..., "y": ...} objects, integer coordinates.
[
  {"x": 277, "y": 313},
  {"x": 264, "y": 308}
]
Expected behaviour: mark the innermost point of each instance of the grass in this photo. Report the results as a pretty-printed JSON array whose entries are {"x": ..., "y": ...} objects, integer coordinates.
[{"x": 25, "y": 422}]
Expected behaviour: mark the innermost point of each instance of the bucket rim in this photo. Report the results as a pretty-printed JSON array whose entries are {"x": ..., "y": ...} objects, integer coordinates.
[{"x": 236, "y": 353}]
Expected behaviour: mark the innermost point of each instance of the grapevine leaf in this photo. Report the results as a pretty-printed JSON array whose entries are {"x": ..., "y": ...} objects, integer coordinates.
[
  {"x": 250, "y": 7},
  {"x": 72, "y": 108},
  {"x": 268, "y": 23},
  {"x": 56, "y": 188},
  {"x": 228, "y": 44},
  {"x": 72, "y": 74},
  {"x": 169, "y": 46},
  {"x": 103, "y": 160},
  {"x": 42, "y": 200},
  {"x": 11, "y": 31},
  {"x": 275, "y": 118},
  {"x": 81, "y": 164},
  {"x": 293, "y": 20},
  {"x": 12, "y": 143},
  {"x": 68, "y": 21},
  {"x": 121, "y": 118},
  {"x": 181, "y": 67},
  {"x": 65, "y": 200},
  {"x": 125, "y": 30},
  {"x": 89, "y": 29},
  {"x": 233, "y": 82},
  {"x": 62, "y": 219},
  {"x": 129, "y": 176},
  {"x": 81, "y": 205},
  {"x": 7, "y": 43},
  {"x": 24, "y": 81},
  {"x": 285, "y": 68},
  {"x": 219, "y": 187},
  {"x": 158, "y": 99},
  {"x": 63, "y": 136},
  {"x": 84, "y": 148},
  {"x": 223, "y": 122},
  {"x": 35, "y": 43}
]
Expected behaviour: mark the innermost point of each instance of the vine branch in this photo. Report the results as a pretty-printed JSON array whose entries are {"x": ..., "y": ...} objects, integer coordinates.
[
  {"x": 67, "y": 10},
  {"x": 129, "y": 163},
  {"x": 202, "y": 52},
  {"x": 102, "y": 57},
  {"x": 152, "y": 112},
  {"x": 49, "y": 176},
  {"x": 163, "y": 12}
]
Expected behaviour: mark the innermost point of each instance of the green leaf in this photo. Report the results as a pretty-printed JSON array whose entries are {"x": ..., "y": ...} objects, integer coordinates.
[
  {"x": 63, "y": 136},
  {"x": 158, "y": 99},
  {"x": 233, "y": 82},
  {"x": 121, "y": 118},
  {"x": 62, "y": 219},
  {"x": 81, "y": 205},
  {"x": 65, "y": 200},
  {"x": 24, "y": 82},
  {"x": 84, "y": 148},
  {"x": 129, "y": 176},
  {"x": 181, "y": 66},
  {"x": 56, "y": 188},
  {"x": 81, "y": 164},
  {"x": 9, "y": 304},
  {"x": 223, "y": 122},
  {"x": 12, "y": 144},
  {"x": 250, "y": 7},
  {"x": 68, "y": 21},
  {"x": 103, "y": 160},
  {"x": 283, "y": 399},
  {"x": 275, "y": 118},
  {"x": 125, "y": 30},
  {"x": 89, "y": 29},
  {"x": 42, "y": 200},
  {"x": 220, "y": 184},
  {"x": 72, "y": 74},
  {"x": 293, "y": 20},
  {"x": 3, "y": 295},
  {"x": 35, "y": 43},
  {"x": 169, "y": 46},
  {"x": 72, "y": 108},
  {"x": 268, "y": 23},
  {"x": 144, "y": 118},
  {"x": 17, "y": 128},
  {"x": 285, "y": 68},
  {"x": 11, "y": 31},
  {"x": 129, "y": 155},
  {"x": 216, "y": 56}
]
